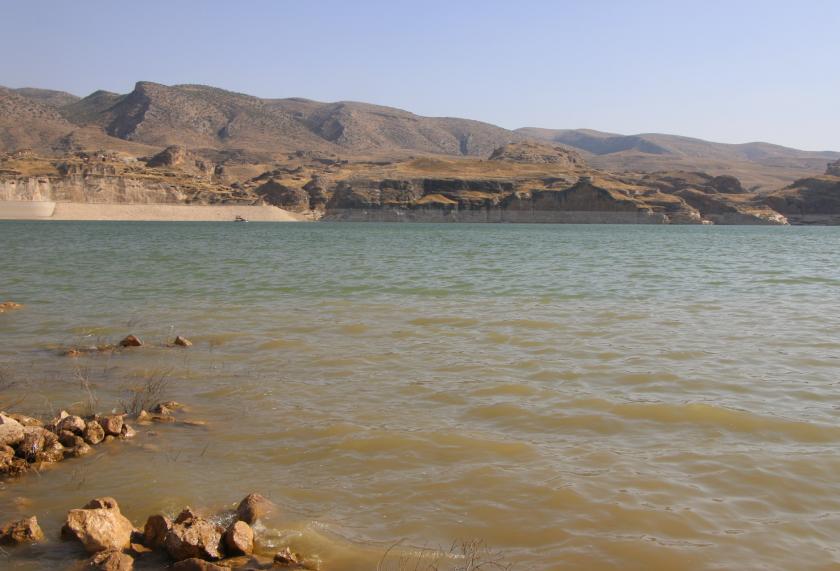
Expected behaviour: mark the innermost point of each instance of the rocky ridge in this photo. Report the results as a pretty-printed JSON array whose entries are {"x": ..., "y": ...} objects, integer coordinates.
[{"x": 215, "y": 122}]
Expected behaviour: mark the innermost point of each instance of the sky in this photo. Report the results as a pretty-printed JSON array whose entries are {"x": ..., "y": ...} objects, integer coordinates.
[{"x": 734, "y": 71}]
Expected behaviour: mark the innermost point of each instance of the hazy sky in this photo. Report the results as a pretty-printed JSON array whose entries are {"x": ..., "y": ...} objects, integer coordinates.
[{"x": 731, "y": 71}]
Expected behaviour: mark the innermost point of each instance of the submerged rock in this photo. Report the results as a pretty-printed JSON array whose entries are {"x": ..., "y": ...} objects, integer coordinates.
[
  {"x": 99, "y": 526},
  {"x": 9, "y": 306},
  {"x": 196, "y": 564},
  {"x": 287, "y": 558},
  {"x": 182, "y": 342},
  {"x": 131, "y": 341},
  {"x": 253, "y": 507},
  {"x": 23, "y": 531}
]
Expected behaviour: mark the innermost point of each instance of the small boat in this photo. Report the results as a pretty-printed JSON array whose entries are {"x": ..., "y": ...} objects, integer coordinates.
[{"x": 240, "y": 219}]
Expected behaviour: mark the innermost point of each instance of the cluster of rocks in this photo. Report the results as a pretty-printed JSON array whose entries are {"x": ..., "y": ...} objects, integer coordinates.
[
  {"x": 25, "y": 442},
  {"x": 127, "y": 342},
  {"x": 190, "y": 541},
  {"x": 9, "y": 306}
]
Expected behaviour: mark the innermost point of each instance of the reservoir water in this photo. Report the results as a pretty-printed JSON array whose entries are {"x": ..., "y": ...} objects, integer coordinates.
[{"x": 576, "y": 397}]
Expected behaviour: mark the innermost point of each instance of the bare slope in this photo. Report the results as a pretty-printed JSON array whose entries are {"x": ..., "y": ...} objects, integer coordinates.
[
  {"x": 198, "y": 116},
  {"x": 759, "y": 165}
]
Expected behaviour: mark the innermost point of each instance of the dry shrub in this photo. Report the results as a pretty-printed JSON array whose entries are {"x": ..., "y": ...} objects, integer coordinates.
[{"x": 148, "y": 394}]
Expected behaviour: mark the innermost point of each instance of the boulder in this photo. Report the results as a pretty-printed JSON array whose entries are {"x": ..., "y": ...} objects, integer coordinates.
[
  {"x": 193, "y": 536},
  {"x": 182, "y": 342},
  {"x": 12, "y": 466},
  {"x": 239, "y": 539},
  {"x": 53, "y": 449},
  {"x": 127, "y": 432},
  {"x": 94, "y": 433},
  {"x": 80, "y": 449},
  {"x": 22, "y": 531},
  {"x": 253, "y": 507},
  {"x": 112, "y": 424},
  {"x": 11, "y": 431},
  {"x": 155, "y": 531},
  {"x": 71, "y": 423},
  {"x": 131, "y": 341},
  {"x": 196, "y": 564},
  {"x": 27, "y": 420},
  {"x": 32, "y": 445},
  {"x": 111, "y": 560},
  {"x": 104, "y": 503},
  {"x": 99, "y": 526},
  {"x": 69, "y": 439}
]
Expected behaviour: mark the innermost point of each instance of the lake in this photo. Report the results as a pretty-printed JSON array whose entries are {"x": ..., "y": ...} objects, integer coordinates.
[{"x": 576, "y": 397}]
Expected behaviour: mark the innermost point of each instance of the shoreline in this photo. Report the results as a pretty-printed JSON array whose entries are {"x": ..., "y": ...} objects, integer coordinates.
[{"x": 81, "y": 211}]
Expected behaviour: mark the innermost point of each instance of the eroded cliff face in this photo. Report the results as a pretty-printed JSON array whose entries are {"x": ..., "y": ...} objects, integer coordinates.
[
  {"x": 547, "y": 200},
  {"x": 522, "y": 183},
  {"x": 109, "y": 178},
  {"x": 813, "y": 200}
]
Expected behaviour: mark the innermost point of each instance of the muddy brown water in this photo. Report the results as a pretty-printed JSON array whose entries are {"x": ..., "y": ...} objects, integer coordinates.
[{"x": 577, "y": 397}]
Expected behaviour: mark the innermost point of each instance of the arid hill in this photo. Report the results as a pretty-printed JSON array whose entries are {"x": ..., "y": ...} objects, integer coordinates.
[
  {"x": 761, "y": 166},
  {"x": 202, "y": 117},
  {"x": 219, "y": 124}
]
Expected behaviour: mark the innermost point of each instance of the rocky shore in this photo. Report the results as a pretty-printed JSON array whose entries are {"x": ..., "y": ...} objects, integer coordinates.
[
  {"x": 524, "y": 182},
  {"x": 188, "y": 542}
]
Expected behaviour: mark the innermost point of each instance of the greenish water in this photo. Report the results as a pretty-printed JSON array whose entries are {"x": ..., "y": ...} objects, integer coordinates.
[{"x": 579, "y": 397}]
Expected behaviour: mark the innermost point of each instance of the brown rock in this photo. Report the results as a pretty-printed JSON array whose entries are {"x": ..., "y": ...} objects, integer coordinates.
[
  {"x": 287, "y": 558},
  {"x": 112, "y": 424},
  {"x": 253, "y": 507},
  {"x": 239, "y": 539},
  {"x": 155, "y": 530},
  {"x": 131, "y": 341},
  {"x": 169, "y": 404},
  {"x": 9, "y": 306},
  {"x": 104, "y": 503},
  {"x": 186, "y": 514},
  {"x": 127, "y": 432},
  {"x": 34, "y": 440},
  {"x": 81, "y": 449},
  {"x": 23, "y": 531},
  {"x": 27, "y": 420},
  {"x": 182, "y": 342},
  {"x": 111, "y": 560},
  {"x": 71, "y": 423},
  {"x": 94, "y": 433},
  {"x": 194, "y": 537},
  {"x": 196, "y": 564},
  {"x": 147, "y": 417},
  {"x": 11, "y": 431},
  {"x": 69, "y": 439},
  {"x": 13, "y": 466},
  {"x": 99, "y": 527},
  {"x": 53, "y": 450}
]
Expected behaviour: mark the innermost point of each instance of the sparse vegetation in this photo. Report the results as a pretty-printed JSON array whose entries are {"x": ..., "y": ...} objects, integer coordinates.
[{"x": 146, "y": 395}]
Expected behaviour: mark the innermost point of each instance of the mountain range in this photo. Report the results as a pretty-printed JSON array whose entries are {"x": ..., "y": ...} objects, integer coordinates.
[{"x": 223, "y": 125}]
